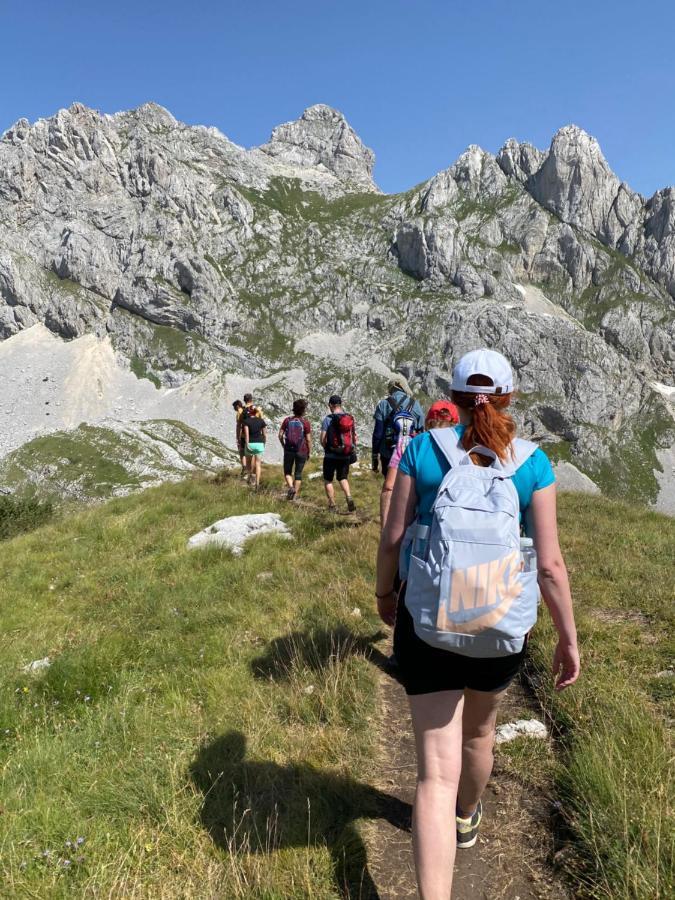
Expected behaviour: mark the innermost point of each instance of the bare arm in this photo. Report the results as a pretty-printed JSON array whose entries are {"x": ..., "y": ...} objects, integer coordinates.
[
  {"x": 385, "y": 496},
  {"x": 554, "y": 584},
  {"x": 246, "y": 434},
  {"x": 323, "y": 438},
  {"x": 281, "y": 436},
  {"x": 308, "y": 439},
  {"x": 401, "y": 514}
]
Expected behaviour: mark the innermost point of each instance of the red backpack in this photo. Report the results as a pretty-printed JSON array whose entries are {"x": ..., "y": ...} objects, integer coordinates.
[{"x": 340, "y": 435}]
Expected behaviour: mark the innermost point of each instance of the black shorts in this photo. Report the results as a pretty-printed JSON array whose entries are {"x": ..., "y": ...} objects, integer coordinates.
[
  {"x": 424, "y": 669},
  {"x": 291, "y": 460},
  {"x": 335, "y": 467},
  {"x": 384, "y": 463}
]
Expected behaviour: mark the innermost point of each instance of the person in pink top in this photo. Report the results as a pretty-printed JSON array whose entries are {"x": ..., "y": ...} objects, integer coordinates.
[{"x": 442, "y": 414}]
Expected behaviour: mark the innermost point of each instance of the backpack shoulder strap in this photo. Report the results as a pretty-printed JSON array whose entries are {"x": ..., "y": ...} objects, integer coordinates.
[
  {"x": 522, "y": 451},
  {"x": 448, "y": 442},
  {"x": 394, "y": 405}
]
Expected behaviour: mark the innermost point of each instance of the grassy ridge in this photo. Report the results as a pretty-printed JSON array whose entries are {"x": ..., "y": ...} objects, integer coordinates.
[
  {"x": 171, "y": 667},
  {"x": 208, "y": 723}
]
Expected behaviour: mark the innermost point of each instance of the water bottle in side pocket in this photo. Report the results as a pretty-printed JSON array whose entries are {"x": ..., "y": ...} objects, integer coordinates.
[{"x": 528, "y": 555}]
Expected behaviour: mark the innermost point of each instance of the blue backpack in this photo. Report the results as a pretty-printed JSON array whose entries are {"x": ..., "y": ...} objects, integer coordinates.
[{"x": 467, "y": 589}]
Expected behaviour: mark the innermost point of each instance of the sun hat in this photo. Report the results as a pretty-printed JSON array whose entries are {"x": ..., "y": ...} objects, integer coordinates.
[
  {"x": 483, "y": 362},
  {"x": 443, "y": 409},
  {"x": 399, "y": 382}
]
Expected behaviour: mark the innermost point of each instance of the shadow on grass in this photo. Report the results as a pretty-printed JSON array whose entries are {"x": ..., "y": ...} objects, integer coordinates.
[
  {"x": 316, "y": 649},
  {"x": 258, "y": 807}
]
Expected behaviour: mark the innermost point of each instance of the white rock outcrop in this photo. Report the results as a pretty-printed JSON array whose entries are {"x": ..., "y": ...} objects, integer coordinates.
[
  {"x": 233, "y": 532},
  {"x": 528, "y": 727},
  {"x": 38, "y": 665}
]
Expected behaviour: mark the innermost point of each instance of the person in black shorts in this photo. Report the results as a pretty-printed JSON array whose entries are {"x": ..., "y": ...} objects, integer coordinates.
[
  {"x": 454, "y": 697},
  {"x": 295, "y": 438},
  {"x": 337, "y": 463}
]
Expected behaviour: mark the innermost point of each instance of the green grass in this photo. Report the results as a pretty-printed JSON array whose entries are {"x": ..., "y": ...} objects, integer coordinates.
[
  {"x": 170, "y": 668},
  {"x": 614, "y": 775},
  {"x": 209, "y": 724},
  {"x": 19, "y": 514}
]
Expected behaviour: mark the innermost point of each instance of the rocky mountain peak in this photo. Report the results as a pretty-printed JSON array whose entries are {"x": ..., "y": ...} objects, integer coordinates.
[
  {"x": 149, "y": 114},
  {"x": 519, "y": 160},
  {"x": 323, "y": 137},
  {"x": 575, "y": 182}
]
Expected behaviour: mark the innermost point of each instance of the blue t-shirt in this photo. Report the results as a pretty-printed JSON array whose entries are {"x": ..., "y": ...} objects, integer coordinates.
[{"x": 424, "y": 461}]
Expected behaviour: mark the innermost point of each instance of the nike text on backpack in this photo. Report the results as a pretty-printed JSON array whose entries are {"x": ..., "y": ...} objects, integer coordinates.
[
  {"x": 294, "y": 435},
  {"x": 467, "y": 589},
  {"x": 400, "y": 424},
  {"x": 340, "y": 435}
]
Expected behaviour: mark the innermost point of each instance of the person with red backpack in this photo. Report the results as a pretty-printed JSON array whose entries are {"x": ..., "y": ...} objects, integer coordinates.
[
  {"x": 338, "y": 438},
  {"x": 295, "y": 438}
]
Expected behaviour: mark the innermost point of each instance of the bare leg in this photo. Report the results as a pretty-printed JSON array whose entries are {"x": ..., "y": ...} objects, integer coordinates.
[
  {"x": 437, "y": 723},
  {"x": 296, "y": 487},
  {"x": 344, "y": 484},
  {"x": 330, "y": 492},
  {"x": 289, "y": 480},
  {"x": 258, "y": 470},
  {"x": 249, "y": 467},
  {"x": 478, "y": 734}
]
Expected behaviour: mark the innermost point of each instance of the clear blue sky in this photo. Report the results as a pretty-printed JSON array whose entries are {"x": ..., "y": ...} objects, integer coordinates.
[{"x": 418, "y": 80}]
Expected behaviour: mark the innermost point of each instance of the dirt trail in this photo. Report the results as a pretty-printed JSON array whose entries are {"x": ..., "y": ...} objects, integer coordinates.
[{"x": 510, "y": 860}]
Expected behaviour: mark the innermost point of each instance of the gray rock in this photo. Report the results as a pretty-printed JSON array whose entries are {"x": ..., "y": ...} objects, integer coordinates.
[
  {"x": 323, "y": 137},
  {"x": 569, "y": 478},
  {"x": 284, "y": 267}
]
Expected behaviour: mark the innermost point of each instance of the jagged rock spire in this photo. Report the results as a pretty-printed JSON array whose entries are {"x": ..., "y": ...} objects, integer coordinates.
[{"x": 323, "y": 137}]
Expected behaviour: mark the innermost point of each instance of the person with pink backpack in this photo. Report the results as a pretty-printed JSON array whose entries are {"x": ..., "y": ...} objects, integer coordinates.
[{"x": 295, "y": 438}]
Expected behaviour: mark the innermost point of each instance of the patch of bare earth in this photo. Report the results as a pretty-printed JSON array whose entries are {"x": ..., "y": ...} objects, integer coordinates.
[{"x": 511, "y": 858}]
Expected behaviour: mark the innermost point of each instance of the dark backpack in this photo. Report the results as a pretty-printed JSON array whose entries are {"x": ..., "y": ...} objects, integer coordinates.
[
  {"x": 400, "y": 424},
  {"x": 294, "y": 435},
  {"x": 340, "y": 435}
]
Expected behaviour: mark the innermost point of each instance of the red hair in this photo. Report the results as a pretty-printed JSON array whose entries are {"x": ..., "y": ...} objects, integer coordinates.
[{"x": 490, "y": 426}]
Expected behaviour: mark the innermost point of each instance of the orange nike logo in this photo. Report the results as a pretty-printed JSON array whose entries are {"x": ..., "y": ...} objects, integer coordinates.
[{"x": 477, "y": 587}]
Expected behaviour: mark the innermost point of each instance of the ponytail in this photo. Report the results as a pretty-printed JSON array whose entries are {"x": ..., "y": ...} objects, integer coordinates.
[{"x": 490, "y": 426}]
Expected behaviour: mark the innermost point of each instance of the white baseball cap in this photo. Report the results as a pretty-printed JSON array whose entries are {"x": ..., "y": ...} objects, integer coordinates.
[{"x": 483, "y": 362}]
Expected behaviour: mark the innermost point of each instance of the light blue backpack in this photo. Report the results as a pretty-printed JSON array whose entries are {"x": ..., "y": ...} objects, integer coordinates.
[{"x": 467, "y": 589}]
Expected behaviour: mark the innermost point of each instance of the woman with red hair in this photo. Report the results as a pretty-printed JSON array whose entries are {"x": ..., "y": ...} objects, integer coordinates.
[{"x": 453, "y": 688}]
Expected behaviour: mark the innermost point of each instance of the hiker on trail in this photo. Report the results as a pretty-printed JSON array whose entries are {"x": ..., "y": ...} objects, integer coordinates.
[
  {"x": 398, "y": 415},
  {"x": 442, "y": 414},
  {"x": 255, "y": 437},
  {"x": 238, "y": 407},
  {"x": 295, "y": 438},
  {"x": 249, "y": 408},
  {"x": 338, "y": 438},
  {"x": 470, "y": 598}
]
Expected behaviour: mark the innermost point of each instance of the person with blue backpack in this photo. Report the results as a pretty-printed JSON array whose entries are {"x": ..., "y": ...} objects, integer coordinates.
[
  {"x": 295, "y": 436},
  {"x": 398, "y": 416},
  {"x": 469, "y": 598}
]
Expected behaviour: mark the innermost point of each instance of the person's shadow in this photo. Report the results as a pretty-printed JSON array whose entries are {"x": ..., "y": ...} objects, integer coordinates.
[
  {"x": 317, "y": 648},
  {"x": 253, "y": 806}
]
